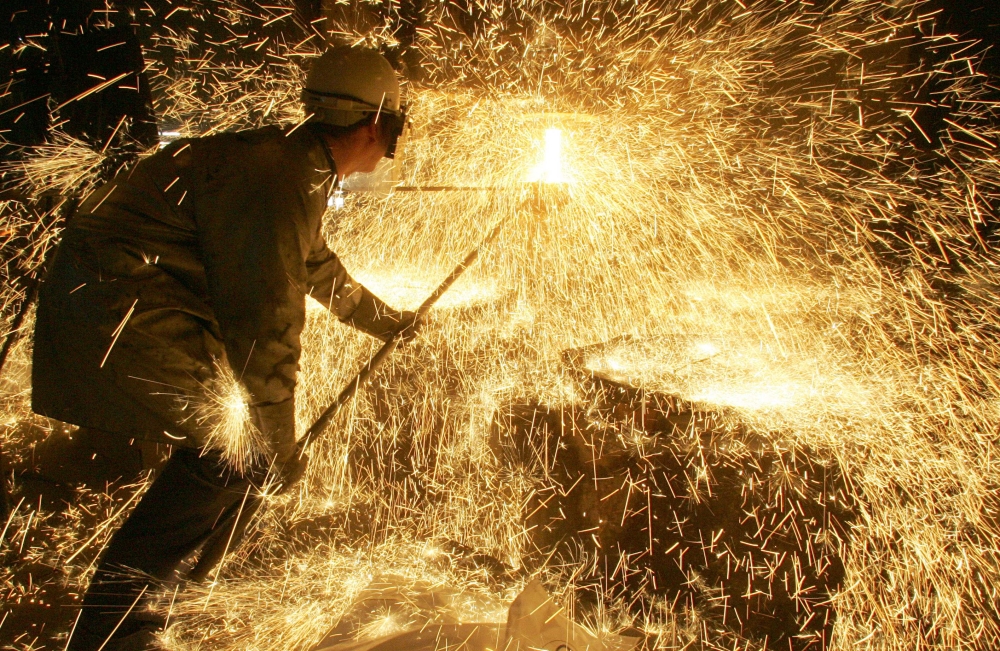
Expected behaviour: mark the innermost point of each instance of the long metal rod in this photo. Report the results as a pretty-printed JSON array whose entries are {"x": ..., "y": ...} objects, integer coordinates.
[{"x": 227, "y": 536}]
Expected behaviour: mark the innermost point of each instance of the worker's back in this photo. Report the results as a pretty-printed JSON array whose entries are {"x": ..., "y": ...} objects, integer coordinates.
[{"x": 128, "y": 324}]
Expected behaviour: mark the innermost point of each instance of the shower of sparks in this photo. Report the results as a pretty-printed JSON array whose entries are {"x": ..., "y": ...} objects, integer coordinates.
[
  {"x": 224, "y": 413},
  {"x": 773, "y": 248}
]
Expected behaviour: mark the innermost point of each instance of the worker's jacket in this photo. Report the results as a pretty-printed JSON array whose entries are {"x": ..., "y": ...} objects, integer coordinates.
[{"x": 201, "y": 255}]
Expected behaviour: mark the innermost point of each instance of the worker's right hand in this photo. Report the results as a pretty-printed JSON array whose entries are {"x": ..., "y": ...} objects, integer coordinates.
[{"x": 409, "y": 324}]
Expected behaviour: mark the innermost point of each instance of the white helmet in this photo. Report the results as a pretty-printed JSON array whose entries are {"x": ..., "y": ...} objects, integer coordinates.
[{"x": 347, "y": 84}]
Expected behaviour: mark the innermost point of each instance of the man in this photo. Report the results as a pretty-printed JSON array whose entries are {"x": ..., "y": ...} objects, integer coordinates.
[{"x": 194, "y": 265}]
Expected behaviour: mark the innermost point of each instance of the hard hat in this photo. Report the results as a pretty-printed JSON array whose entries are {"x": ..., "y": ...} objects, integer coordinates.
[{"x": 347, "y": 83}]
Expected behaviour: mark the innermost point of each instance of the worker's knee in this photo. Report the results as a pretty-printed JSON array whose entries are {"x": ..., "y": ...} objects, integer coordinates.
[{"x": 211, "y": 469}]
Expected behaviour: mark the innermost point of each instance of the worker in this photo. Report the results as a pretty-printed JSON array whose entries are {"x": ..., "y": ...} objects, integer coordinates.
[{"x": 193, "y": 265}]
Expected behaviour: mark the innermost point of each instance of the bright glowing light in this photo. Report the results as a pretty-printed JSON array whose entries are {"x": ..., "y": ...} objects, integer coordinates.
[
  {"x": 739, "y": 376},
  {"x": 708, "y": 349},
  {"x": 226, "y": 415},
  {"x": 550, "y": 169},
  {"x": 763, "y": 397},
  {"x": 167, "y": 137}
]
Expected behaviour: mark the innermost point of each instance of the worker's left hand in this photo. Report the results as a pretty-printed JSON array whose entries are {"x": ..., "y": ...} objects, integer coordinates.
[{"x": 409, "y": 324}]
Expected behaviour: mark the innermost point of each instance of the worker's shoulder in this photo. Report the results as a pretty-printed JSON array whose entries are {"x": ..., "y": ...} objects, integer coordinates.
[
  {"x": 271, "y": 141},
  {"x": 269, "y": 152},
  {"x": 282, "y": 151}
]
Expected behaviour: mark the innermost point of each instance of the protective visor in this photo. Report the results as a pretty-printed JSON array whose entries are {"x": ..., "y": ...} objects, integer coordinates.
[{"x": 395, "y": 125}]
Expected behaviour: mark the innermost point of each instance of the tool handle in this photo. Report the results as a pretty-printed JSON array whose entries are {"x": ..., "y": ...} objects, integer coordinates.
[
  {"x": 361, "y": 378},
  {"x": 458, "y": 271}
]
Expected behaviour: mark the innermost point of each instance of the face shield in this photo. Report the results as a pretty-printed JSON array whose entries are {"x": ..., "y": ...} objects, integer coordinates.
[{"x": 395, "y": 126}]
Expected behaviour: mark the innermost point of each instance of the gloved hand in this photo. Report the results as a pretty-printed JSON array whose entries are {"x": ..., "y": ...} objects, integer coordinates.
[
  {"x": 409, "y": 324},
  {"x": 277, "y": 423},
  {"x": 375, "y": 317}
]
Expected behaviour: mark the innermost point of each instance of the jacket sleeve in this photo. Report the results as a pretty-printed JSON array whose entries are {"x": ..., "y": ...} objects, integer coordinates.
[
  {"x": 331, "y": 285},
  {"x": 255, "y": 250}
]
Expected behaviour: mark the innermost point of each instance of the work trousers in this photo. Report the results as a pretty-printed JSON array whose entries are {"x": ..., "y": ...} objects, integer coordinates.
[
  {"x": 175, "y": 516},
  {"x": 93, "y": 458}
]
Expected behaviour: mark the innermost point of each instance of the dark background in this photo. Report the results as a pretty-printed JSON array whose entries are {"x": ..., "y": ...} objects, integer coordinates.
[
  {"x": 73, "y": 44},
  {"x": 977, "y": 20}
]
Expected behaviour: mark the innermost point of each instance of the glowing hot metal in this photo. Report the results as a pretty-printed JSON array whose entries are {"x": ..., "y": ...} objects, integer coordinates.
[{"x": 550, "y": 169}]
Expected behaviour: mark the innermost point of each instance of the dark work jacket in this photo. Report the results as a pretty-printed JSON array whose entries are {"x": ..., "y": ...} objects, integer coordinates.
[{"x": 201, "y": 255}]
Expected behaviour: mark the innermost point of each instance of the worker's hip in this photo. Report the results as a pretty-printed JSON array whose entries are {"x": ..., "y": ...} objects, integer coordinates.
[{"x": 100, "y": 460}]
